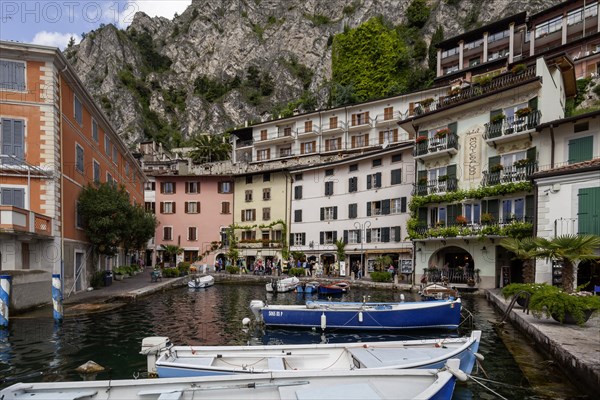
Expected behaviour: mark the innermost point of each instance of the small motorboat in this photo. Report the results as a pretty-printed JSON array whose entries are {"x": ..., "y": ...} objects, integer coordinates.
[
  {"x": 436, "y": 291},
  {"x": 282, "y": 285},
  {"x": 308, "y": 287},
  {"x": 443, "y": 314},
  {"x": 335, "y": 288},
  {"x": 418, "y": 384},
  {"x": 201, "y": 282},
  {"x": 168, "y": 361}
]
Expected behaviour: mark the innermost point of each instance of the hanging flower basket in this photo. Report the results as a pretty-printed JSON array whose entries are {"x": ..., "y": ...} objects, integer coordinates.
[
  {"x": 497, "y": 168},
  {"x": 461, "y": 220},
  {"x": 421, "y": 139},
  {"x": 523, "y": 112},
  {"x": 442, "y": 133}
]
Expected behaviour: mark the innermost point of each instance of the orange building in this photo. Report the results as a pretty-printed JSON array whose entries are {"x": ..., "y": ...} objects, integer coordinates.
[{"x": 54, "y": 141}]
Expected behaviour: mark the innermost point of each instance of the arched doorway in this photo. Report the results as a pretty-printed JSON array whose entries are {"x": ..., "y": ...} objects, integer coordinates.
[{"x": 451, "y": 264}]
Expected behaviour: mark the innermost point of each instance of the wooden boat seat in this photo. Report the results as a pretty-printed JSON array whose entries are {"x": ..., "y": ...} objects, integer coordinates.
[
  {"x": 276, "y": 363},
  {"x": 377, "y": 358},
  {"x": 83, "y": 394}
]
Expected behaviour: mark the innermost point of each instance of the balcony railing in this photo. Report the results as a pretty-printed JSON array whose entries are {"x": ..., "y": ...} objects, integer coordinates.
[
  {"x": 512, "y": 125},
  {"x": 436, "y": 186},
  {"x": 509, "y": 225},
  {"x": 436, "y": 144},
  {"x": 513, "y": 173},
  {"x": 505, "y": 80},
  {"x": 452, "y": 275},
  {"x": 15, "y": 219}
]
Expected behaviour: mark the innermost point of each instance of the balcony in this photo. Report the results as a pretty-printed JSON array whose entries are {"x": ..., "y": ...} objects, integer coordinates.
[
  {"x": 503, "y": 81},
  {"x": 436, "y": 146},
  {"x": 385, "y": 119},
  {"x": 337, "y": 127},
  {"x": 511, "y": 128},
  {"x": 359, "y": 124},
  {"x": 18, "y": 220},
  {"x": 436, "y": 186},
  {"x": 517, "y": 172},
  {"x": 313, "y": 130},
  {"x": 511, "y": 226}
]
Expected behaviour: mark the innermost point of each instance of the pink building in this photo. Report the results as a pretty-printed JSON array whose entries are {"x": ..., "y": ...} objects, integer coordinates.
[{"x": 193, "y": 213}]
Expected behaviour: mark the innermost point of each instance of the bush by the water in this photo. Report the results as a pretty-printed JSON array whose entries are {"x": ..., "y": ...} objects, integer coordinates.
[
  {"x": 232, "y": 270},
  {"x": 296, "y": 272},
  {"x": 170, "y": 272},
  {"x": 381, "y": 276}
]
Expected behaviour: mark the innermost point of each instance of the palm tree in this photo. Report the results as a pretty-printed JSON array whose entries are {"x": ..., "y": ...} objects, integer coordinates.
[
  {"x": 525, "y": 250},
  {"x": 171, "y": 251},
  {"x": 210, "y": 148},
  {"x": 568, "y": 250}
]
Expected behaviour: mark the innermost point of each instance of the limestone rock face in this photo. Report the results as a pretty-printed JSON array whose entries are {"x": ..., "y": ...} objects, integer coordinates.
[{"x": 144, "y": 77}]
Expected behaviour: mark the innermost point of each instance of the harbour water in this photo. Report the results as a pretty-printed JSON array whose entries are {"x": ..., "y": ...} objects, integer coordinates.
[{"x": 40, "y": 350}]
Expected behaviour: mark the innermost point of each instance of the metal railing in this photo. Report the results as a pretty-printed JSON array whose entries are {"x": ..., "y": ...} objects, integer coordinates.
[
  {"x": 435, "y": 144},
  {"x": 433, "y": 186},
  {"x": 512, "y": 125},
  {"x": 513, "y": 173}
]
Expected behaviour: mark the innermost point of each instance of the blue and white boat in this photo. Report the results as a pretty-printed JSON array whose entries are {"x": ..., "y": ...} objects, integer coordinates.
[
  {"x": 307, "y": 287},
  {"x": 418, "y": 384},
  {"x": 168, "y": 361},
  {"x": 335, "y": 288},
  {"x": 443, "y": 314}
]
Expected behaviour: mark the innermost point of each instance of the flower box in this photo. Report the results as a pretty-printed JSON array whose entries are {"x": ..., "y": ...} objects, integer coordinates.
[
  {"x": 442, "y": 133},
  {"x": 421, "y": 139},
  {"x": 523, "y": 112},
  {"x": 496, "y": 168}
]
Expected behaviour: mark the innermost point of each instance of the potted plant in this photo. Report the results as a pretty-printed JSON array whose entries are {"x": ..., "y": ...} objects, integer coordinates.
[
  {"x": 421, "y": 139},
  {"x": 496, "y": 168},
  {"x": 442, "y": 133},
  {"x": 521, "y": 289},
  {"x": 487, "y": 219},
  {"x": 426, "y": 103},
  {"x": 522, "y": 163},
  {"x": 454, "y": 91},
  {"x": 461, "y": 220},
  {"x": 498, "y": 118},
  {"x": 523, "y": 112},
  {"x": 423, "y": 181},
  {"x": 442, "y": 178},
  {"x": 518, "y": 68},
  {"x": 566, "y": 308}
]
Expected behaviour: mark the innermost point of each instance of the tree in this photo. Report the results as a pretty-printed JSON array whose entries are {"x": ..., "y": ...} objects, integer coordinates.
[
  {"x": 171, "y": 251},
  {"x": 105, "y": 210},
  {"x": 525, "y": 250},
  {"x": 340, "y": 250},
  {"x": 382, "y": 262},
  {"x": 568, "y": 250},
  {"x": 210, "y": 148},
  {"x": 417, "y": 13},
  {"x": 140, "y": 228}
]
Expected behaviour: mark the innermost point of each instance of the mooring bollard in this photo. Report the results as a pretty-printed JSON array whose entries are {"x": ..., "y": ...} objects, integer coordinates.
[
  {"x": 5, "y": 282},
  {"x": 57, "y": 297}
]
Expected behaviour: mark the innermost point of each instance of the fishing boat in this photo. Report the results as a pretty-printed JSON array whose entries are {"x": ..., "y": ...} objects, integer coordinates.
[
  {"x": 420, "y": 384},
  {"x": 201, "y": 282},
  {"x": 308, "y": 287},
  {"x": 282, "y": 285},
  {"x": 444, "y": 314},
  {"x": 436, "y": 291},
  {"x": 168, "y": 361},
  {"x": 334, "y": 288}
]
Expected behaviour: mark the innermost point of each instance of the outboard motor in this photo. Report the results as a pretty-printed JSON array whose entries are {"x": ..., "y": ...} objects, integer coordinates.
[
  {"x": 255, "y": 307},
  {"x": 154, "y": 347}
]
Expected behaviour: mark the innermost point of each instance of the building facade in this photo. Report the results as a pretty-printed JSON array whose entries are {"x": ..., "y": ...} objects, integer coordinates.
[{"x": 55, "y": 140}]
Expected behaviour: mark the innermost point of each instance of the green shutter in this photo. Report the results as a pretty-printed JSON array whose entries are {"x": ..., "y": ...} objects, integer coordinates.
[
  {"x": 451, "y": 171},
  {"x": 452, "y": 211},
  {"x": 532, "y": 154},
  {"x": 493, "y": 113},
  {"x": 581, "y": 149},
  {"x": 453, "y": 127},
  {"x": 533, "y": 103},
  {"x": 493, "y": 161},
  {"x": 589, "y": 211},
  {"x": 421, "y": 175},
  {"x": 530, "y": 208},
  {"x": 422, "y": 216},
  {"x": 493, "y": 208}
]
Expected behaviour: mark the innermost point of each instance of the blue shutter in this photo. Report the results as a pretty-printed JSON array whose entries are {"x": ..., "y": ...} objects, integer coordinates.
[
  {"x": 378, "y": 180},
  {"x": 369, "y": 178},
  {"x": 13, "y": 140},
  {"x": 385, "y": 235}
]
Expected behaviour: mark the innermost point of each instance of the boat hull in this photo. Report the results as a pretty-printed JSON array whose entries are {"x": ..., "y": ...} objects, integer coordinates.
[
  {"x": 440, "y": 314},
  {"x": 200, "y": 283}
]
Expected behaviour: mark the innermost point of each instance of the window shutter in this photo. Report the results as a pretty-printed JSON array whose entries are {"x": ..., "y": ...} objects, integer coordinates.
[
  {"x": 453, "y": 127},
  {"x": 532, "y": 154},
  {"x": 385, "y": 206},
  {"x": 334, "y": 236},
  {"x": 492, "y": 161},
  {"x": 174, "y": 204},
  {"x": 353, "y": 119},
  {"x": 339, "y": 143},
  {"x": 581, "y": 149},
  {"x": 352, "y": 210},
  {"x": 421, "y": 175},
  {"x": 381, "y": 137},
  {"x": 369, "y": 179},
  {"x": 367, "y": 117},
  {"x": 533, "y": 103},
  {"x": 346, "y": 236},
  {"x": 198, "y": 207},
  {"x": 378, "y": 180},
  {"x": 403, "y": 204},
  {"x": 452, "y": 213},
  {"x": 186, "y": 207},
  {"x": 253, "y": 214},
  {"x": 422, "y": 216},
  {"x": 395, "y": 135},
  {"x": 368, "y": 236},
  {"x": 366, "y": 139},
  {"x": 298, "y": 192},
  {"x": 411, "y": 108},
  {"x": 359, "y": 236},
  {"x": 493, "y": 208},
  {"x": 335, "y": 212},
  {"x": 322, "y": 237},
  {"x": 451, "y": 171},
  {"x": 368, "y": 208},
  {"x": 243, "y": 215},
  {"x": 396, "y": 234},
  {"x": 303, "y": 239},
  {"x": 385, "y": 235},
  {"x": 529, "y": 208},
  {"x": 174, "y": 187},
  {"x": 588, "y": 213},
  {"x": 291, "y": 239},
  {"x": 493, "y": 113},
  {"x": 322, "y": 213},
  {"x": 7, "y": 197},
  {"x": 162, "y": 207},
  {"x": 19, "y": 198},
  {"x": 298, "y": 216},
  {"x": 187, "y": 187},
  {"x": 353, "y": 141},
  {"x": 396, "y": 176},
  {"x": 162, "y": 187}
]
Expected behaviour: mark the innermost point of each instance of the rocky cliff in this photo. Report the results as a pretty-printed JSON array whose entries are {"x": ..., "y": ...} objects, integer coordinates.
[{"x": 221, "y": 63}]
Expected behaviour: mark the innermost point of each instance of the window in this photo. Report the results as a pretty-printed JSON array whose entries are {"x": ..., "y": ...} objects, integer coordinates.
[
  {"x": 388, "y": 113},
  {"x": 329, "y": 172},
  {"x": 359, "y": 141},
  {"x": 151, "y": 186},
  {"x": 12, "y": 197},
  {"x": 78, "y": 110},
  {"x": 374, "y": 181},
  {"x": 167, "y": 207},
  {"x": 308, "y": 126},
  {"x": 388, "y": 136},
  {"x": 360, "y": 118},
  {"x": 328, "y": 213},
  {"x": 513, "y": 209},
  {"x": 96, "y": 171},
  {"x": 249, "y": 215},
  {"x": 266, "y": 177},
  {"x": 308, "y": 147},
  {"x": 507, "y": 160},
  {"x": 267, "y": 194},
  {"x": 354, "y": 236},
  {"x": 474, "y": 61},
  {"x": 297, "y": 177},
  {"x": 377, "y": 162},
  {"x": 353, "y": 184},
  {"x": 581, "y": 149},
  {"x": 297, "y": 192},
  {"x": 263, "y": 155},
  {"x": 549, "y": 27},
  {"x": 472, "y": 212},
  {"x": 107, "y": 146},
  {"x": 79, "y": 158},
  {"x": 328, "y": 237},
  {"x": 12, "y": 75},
  {"x": 109, "y": 178},
  {"x": 225, "y": 207},
  {"x": 397, "y": 157},
  {"x": 299, "y": 239},
  {"x": 329, "y": 188},
  {"x": 449, "y": 52},
  {"x": 297, "y": 215},
  {"x": 396, "y": 176},
  {"x": 437, "y": 215},
  {"x": 192, "y": 233},
  {"x": 248, "y": 179},
  {"x": 285, "y": 151},
  {"x": 167, "y": 187},
  {"x": 375, "y": 235},
  {"x": 192, "y": 207},
  {"x": 192, "y": 187},
  {"x": 353, "y": 167},
  {"x": 248, "y": 235},
  {"x": 167, "y": 233},
  {"x": 263, "y": 134},
  {"x": 333, "y": 144},
  {"x": 248, "y": 195},
  {"x": 352, "y": 210},
  {"x": 333, "y": 122},
  {"x": 373, "y": 208},
  {"x": 150, "y": 207},
  {"x": 13, "y": 141},
  {"x": 224, "y": 187},
  {"x": 398, "y": 205},
  {"x": 266, "y": 214},
  {"x": 95, "y": 131},
  {"x": 115, "y": 154},
  {"x": 435, "y": 173}
]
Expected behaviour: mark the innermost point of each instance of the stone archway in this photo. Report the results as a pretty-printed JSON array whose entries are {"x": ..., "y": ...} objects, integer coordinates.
[{"x": 452, "y": 264}]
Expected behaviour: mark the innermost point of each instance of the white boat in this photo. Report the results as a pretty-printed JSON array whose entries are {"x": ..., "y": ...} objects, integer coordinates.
[
  {"x": 201, "y": 282},
  {"x": 169, "y": 361},
  {"x": 282, "y": 285},
  {"x": 419, "y": 384},
  {"x": 436, "y": 291}
]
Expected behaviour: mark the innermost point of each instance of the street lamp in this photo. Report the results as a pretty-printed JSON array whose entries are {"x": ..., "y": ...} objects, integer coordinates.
[{"x": 363, "y": 229}]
